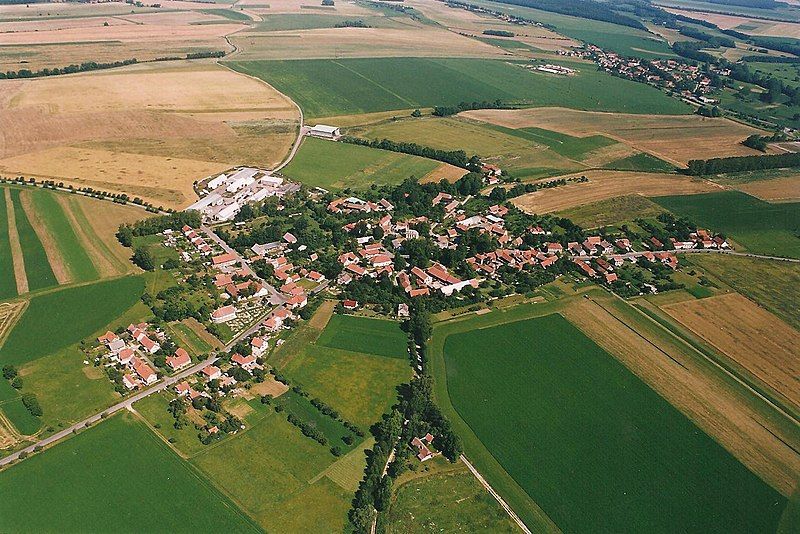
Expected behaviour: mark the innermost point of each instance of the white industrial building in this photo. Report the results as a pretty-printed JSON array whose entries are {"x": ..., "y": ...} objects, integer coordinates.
[{"x": 325, "y": 132}]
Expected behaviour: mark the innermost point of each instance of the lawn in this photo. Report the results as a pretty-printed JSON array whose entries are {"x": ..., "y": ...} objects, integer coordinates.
[
  {"x": 333, "y": 165},
  {"x": 55, "y": 320},
  {"x": 362, "y": 334},
  {"x": 775, "y": 285},
  {"x": 127, "y": 479},
  {"x": 8, "y": 283},
  {"x": 280, "y": 477},
  {"x": 350, "y": 86},
  {"x": 643, "y": 162},
  {"x": 37, "y": 266},
  {"x": 20, "y": 417},
  {"x": 589, "y": 442},
  {"x": 760, "y": 227},
  {"x": 76, "y": 259}
]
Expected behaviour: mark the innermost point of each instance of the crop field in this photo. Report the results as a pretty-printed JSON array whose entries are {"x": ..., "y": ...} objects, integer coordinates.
[
  {"x": 759, "y": 226},
  {"x": 362, "y": 334},
  {"x": 775, "y": 285},
  {"x": 8, "y": 280},
  {"x": 748, "y": 25},
  {"x": 280, "y": 477},
  {"x": 38, "y": 270},
  {"x": 176, "y": 497},
  {"x": 348, "y": 86},
  {"x": 334, "y": 165},
  {"x": 605, "y": 184},
  {"x": 779, "y": 189},
  {"x": 449, "y": 499},
  {"x": 153, "y": 130},
  {"x": 16, "y": 412},
  {"x": 614, "y": 210},
  {"x": 642, "y": 162},
  {"x": 674, "y": 139},
  {"x": 665, "y": 474},
  {"x": 753, "y": 338},
  {"x": 55, "y": 320}
]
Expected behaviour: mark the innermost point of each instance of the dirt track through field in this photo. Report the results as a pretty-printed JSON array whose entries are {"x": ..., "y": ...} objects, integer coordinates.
[
  {"x": 16, "y": 248},
  {"x": 700, "y": 393},
  {"x": 750, "y": 336},
  {"x": 60, "y": 270}
]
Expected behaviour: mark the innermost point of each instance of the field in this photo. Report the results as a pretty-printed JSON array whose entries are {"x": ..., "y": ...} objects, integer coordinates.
[
  {"x": 190, "y": 339},
  {"x": 362, "y": 334},
  {"x": 758, "y": 226},
  {"x": 614, "y": 210},
  {"x": 675, "y": 139},
  {"x": 348, "y": 86},
  {"x": 775, "y": 285},
  {"x": 751, "y": 337},
  {"x": 780, "y": 185},
  {"x": 448, "y": 498},
  {"x": 748, "y": 25},
  {"x": 605, "y": 184},
  {"x": 8, "y": 280},
  {"x": 16, "y": 412},
  {"x": 334, "y": 165},
  {"x": 153, "y": 130},
  {"x": 40, "y": 492},
  {"x": 641, "y": 161},
  {"x": 662, "y": 475},
  {"x": 38, "y": 270},
  {"x": 55, "y": 320},
  {"x": 9, "y": 313}
]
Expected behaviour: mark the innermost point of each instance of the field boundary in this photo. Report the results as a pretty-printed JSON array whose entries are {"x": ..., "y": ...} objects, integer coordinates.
[{"x": 496, "y": 495}]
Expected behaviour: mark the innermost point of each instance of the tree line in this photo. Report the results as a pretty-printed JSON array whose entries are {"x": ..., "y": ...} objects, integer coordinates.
[
  {"x": 587, "y": 9},
  {"x": 453, "y": 157},
  {"x": 702, "y": 167},
  {"x": 446, "y": 111}
]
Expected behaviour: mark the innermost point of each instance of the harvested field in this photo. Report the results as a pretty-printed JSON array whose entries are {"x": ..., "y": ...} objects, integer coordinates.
[
  {"x": 38, "y": 270},
  {"x": 752, "y": 26},
  {"x": 614, "y": 210},
  {"x": 9, "y": 313},
  {"x": 776, "y": 190},
  {"x": 753, "y": 338},
  {"x": 346, "y": 7},
  {"x": 676, "y": 138},
  {"x": 9, "y": 251},
  {"x": 416, "y": 41},
  {"x": 51, "y": 248},
  {"x": 269, "y": 387},
  {"x": 154, "y": 130},
  {"x": 609, "y": 184},
  {"x": 445, "y": 171}
]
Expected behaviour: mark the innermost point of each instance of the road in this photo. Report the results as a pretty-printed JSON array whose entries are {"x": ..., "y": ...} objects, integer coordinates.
[
  {"x": 497, "y": 496},
  {"x": 716, "y": 251}
]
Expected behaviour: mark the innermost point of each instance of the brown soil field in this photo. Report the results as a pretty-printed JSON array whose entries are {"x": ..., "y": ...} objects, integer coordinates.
[
  {"x": 269, "y": 387},
  {"x": 750, "y": 336},
  {"x": 445, "y": 171},
  {"x": 762, "y": 27},
  {"x": 417, "y": 40},
  {"x": 323, "y": 314},
  {"x": 51, "y": 248},
  {"x": 696, "y": 389},
  {"x": 775, "y": 190},
  {"x": 16, "y": 248},
  {"x": 609, "y": 184},
  {"x": 676, "y": 138},
  {"x": 146, "y": 130},
  {"x": 342, "y": 7}
]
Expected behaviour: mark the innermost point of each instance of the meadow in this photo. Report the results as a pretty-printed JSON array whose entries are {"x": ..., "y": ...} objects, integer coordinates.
[
  {"x": 190, "y": 339},
  {"x": 658, "y": 471},
  {"x": 760, "y": 227},
  {"x": 55, "y": 320},
  {"x": 38, "y": 271},
  {"x": 615, "y": 210},
  {"x": 334, "y": 165},
  {"x": 16, "y": 412},
  {"x": 8, "y": 282},
  {"x": 169, "y": 494},
  {"x": 348, "y": 86},
  {"x": 642, "y": 162},
  {"x": 363, "y": 334}
]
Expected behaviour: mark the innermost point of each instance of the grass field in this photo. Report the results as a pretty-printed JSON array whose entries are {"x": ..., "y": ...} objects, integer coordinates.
[
  {"x": 349, "y": 86},
  {"x": 16, "y": 412},
  {"x": 154, "y": 409},
  {"x": 362, "y": 334},
  {"x": 614, "y": 210},
  {"x": 774, "y": 285},
  {"x": 658, "y": 471},
  {"x": 8, "y": 282},
  {"x": 60, "y": 318},
  {"x": 641, "y": 162},
  {"x": 37, "y": 265},
  {"x": 189, "y": 338},
  {"x": 760, "y": 227},
  {"x": 170, "y": 495},
  {"x": 333, "y": 165}
]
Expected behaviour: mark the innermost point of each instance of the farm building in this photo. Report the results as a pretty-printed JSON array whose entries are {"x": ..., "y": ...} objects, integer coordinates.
[{"x": 325, "y": 132}]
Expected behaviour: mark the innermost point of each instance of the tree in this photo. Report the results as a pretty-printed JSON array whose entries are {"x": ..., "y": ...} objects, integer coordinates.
[
  {"x": 383, "y": 495},
  {"x": 416, "y": 113},
  {"x": 144, "y": 259},
  {"x": 9, "y": 372}
]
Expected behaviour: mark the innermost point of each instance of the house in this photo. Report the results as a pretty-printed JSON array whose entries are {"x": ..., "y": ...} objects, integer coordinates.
[
  {"x": 179, "y": 360},
  {"x": 212, "y": 372},
  {"x": 297, "y": 301},
  {"x": 314, "y": 276},
  {"x": 422, "y": 445},
  {"x": 325, "y": 132},
  {"x": 247, "y": 362},
  {"x": 107, "y": 338},
  {"x": 259, "y": 346},
  {"x": 150, "y": 346},
  {"x": 223, "y": 260},
  {"x": 125, "y": 356},
  {"x": 402, "y": 310},
  {"x": 289, "y": 238},
  {"x": 223, "y": 315},
  {"x": 128, "y": 381},
  {"x": 145, "y": 372}
]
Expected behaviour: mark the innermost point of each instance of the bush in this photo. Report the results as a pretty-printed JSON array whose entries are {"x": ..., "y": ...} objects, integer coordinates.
[{"x": 32, "y": 404}]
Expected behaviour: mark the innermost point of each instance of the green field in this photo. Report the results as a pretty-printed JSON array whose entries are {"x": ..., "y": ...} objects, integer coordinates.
[
  {"x": 760, "y": 227},
  {"x": 154, "y": 410},
  {"x": 589, "y": 442},
  {"x": 76, "y": 260},
  {"x": 8, "y": 283},
  {"x": 115, "y": 477},
  {"x": 55, "y": 320},
  {"x": 37, "y": 266},
  {"x": 775, "y": 285},
  {"x": 566, "y": 145},
  {"x": 309, "y": 21},
  {"x": 189, "y": 339},
  {"x": 617, "y": 210},
  {"x": 362, "y": 334},
  {"x": 333, "y": 165},
  {"x": 281, "y": 477},
  {"x": 350, "y": 86},
  {"x": 643, "y": 162},
  {"x": 447, "y": 500},
  {"x": 20, "y": 417},
  {"x": 227, "y": 13}
]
